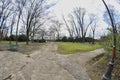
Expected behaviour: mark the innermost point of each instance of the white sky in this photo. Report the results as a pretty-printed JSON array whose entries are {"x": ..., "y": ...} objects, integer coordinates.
[{"x": 92, "y": 6}]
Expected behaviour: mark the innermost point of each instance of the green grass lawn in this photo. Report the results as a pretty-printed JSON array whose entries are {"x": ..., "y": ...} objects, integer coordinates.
[{"x": 71, "y": 48}]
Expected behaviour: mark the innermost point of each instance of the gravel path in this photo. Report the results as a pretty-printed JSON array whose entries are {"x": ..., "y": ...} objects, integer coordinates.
[{"x": 45, "y": 64}]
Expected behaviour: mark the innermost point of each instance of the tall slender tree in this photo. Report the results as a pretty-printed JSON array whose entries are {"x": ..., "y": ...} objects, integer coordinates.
[
  {"x": 4, "y": 14},
  {"x": 93, "y": 27},
  {"x": 80, "y": 14},
  {"x": 11, "y": 27},
  {"x": 35, "y": 16},
  {"x": 56, "y": 26},
  {"x": 69, "y": 28},
  {"x": 20, "y": 6}
]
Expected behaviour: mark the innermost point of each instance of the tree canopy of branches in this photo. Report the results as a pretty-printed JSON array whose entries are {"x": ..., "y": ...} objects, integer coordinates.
[
  {"x": 28, "y": 15},
  {"x": 56, "y": 27},
  {"x": 35, "y": 16},
  {"x": 5, "y": 7},
  {"x": 79, "y": 23}
]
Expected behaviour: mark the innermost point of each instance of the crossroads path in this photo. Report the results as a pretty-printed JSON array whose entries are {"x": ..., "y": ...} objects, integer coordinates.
[{"x": 45, "y": 64}]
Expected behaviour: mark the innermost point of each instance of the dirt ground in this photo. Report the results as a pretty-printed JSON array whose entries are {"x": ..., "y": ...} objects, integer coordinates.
[{"x": 45, "y": 64}]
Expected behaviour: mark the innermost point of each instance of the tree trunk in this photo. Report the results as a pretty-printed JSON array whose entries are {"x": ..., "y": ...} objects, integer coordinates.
[
  {"x": 83, "y": 39},
  {"x": 32, "y": 38},
  {"x": 11, "y": 33},
  {"x": 27, "y": 35},
  {"x": 17, "y": 28},
  {"x": 93, "y": 41},
  {"x": 1, "y": 29},
  {"x": 1, "y": 35},
  {"x": 58, "y": 36}
]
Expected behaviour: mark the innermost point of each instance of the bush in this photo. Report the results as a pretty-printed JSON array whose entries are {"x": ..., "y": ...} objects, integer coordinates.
[
  {"x": 64, "y": 39},
  {"x": 6, "y": 38},
  {"x": 88, "y": 39},
  {"x": 78, "y": 39},
  {"x": 107, "y": 41},
  {"x": 70, "y": 39},
  {"x": 22, "y": 38},
  {"x": 12, "y": 37},
  {"x": 40, "y": 41}
]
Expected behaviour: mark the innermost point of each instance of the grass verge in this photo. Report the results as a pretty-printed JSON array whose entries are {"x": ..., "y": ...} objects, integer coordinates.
[
  {"x": 96, "y": 69},
  {"x": 71, "y": 48}
]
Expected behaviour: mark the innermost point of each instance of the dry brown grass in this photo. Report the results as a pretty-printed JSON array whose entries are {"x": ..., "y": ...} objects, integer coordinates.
[
  {"x": 28, "y": 49},
  {"x": 23, "y": 48},
  {"x": 98, "y": 67}
]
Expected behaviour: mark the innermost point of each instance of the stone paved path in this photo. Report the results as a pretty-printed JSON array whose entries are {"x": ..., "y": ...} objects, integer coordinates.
[{"x": 45, "y": 64}]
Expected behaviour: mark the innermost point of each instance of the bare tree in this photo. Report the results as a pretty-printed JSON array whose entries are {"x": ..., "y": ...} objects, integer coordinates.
[
  {"x": 37, "y": 26},
  {"x": 93, "y": 26},
  {"x": 20, "y": 5},
  {"x": 11, "y": 26},
  {"x": 4, "y": 14},
  {"x": 70, "y": 29},
  {"x": 43, "y": 32},
  {"x": 80, "y": 14},
  {"x": 75, "y": 29},
  {"x": 36, "y": 13},
  {"x": 56, "y": 26},
  {"x": 78, "y": 23},
  {"x": 51, "y": 33}
]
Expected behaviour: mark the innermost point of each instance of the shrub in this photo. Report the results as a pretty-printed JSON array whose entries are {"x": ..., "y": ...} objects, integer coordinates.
[
  {"x": 22, "y": 38},
  {"x": 107, "y": 41},
  {"x": 6, "y": 38},
  {"x": 70, "y": 39},
  {"x": 64, "y": 39},
  {"x": 40, "y": 41},
  {"x": 12, "y": 37},
  {"x": 78, "y": 39},
  {"x": 88, "y": 39}
]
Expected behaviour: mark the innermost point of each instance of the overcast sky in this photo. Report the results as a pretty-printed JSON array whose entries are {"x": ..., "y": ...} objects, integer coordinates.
[{"x": 64, "y": 7}]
